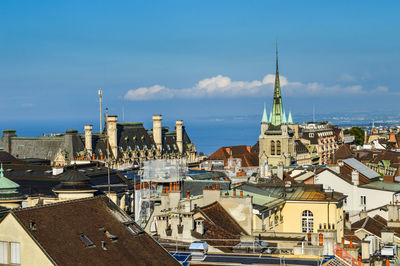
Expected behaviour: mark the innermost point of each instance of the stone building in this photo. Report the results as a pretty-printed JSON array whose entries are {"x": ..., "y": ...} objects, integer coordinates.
[
  {"x": 323, "y": 137},
  {"x": 276, "y": 141},
  {"x": 129, "y": 144}
]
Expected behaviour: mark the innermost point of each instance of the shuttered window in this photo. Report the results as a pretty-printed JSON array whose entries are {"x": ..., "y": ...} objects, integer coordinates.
[
  {"x": 3, "y": 252},
  {"x": 15, "y": 253}
]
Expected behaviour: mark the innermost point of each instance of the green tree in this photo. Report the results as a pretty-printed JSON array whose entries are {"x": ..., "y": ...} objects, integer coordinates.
[{"x": 358, "y": 134}]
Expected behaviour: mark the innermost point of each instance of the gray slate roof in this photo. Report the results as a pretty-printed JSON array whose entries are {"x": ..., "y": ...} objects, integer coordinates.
[{"x": 361, "y": 168}]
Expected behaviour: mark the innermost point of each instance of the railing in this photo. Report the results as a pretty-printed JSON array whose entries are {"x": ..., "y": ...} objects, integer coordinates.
[{"x": 350, "y": 260}]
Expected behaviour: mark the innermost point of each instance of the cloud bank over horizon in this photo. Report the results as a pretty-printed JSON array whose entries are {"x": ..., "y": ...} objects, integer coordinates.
[{"x": 224, "y": 87}]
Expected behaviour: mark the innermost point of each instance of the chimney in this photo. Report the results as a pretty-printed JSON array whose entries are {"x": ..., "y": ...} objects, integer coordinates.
[
  {"x": 6, "y": 139},
  {"x": 363, "y": 214},
  {"x": 187, "y": 194},
  {"x": 112, "y": 134},
  {"x": 179, "y": 135},
  {"x": 280, "y": 171},
  {"x": 157, "y": 131},
  {"x": 234, "y": 192},
  {"x": 88, "y": 139},
  {"x": 355, "y": 177},
  {"x": 248, "y": 148}
]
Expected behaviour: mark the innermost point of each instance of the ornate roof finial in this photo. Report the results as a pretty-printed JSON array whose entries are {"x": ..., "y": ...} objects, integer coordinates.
[{"x": 1, "y": 171}]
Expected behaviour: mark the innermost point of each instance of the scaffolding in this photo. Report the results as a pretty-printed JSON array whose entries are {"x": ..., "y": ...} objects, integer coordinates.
[{"x": 152, "y": 177}]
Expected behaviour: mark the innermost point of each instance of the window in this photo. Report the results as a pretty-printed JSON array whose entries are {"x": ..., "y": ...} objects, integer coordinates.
[
  {"x": 311, "y": 135},
  {"x": 278, "y": 148},
  {"x": 15, "y": 253},
  {"x": 307, "y": 222},
  {"x": 86, "y": 240},
  {"x": 363, "y": 200},
  {"x": 272, "y": 147},
  {"x": 3, "y": 252},
  {"x": 10, "y": 253}
]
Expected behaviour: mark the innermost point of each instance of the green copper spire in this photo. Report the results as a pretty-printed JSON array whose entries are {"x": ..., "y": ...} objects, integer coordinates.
[
  {"x": 277, "y": 108},
  {"x": 265, "y": 115},
  {"x": 6, "y": 185},
  {"x": 290, "y": 119},
  {"x": 270, "y": 117},
  {"x": 284, "y": 117}
]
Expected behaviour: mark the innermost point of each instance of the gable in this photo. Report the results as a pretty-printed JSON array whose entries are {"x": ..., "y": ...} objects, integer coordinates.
[{"x": 12, "y": 231}]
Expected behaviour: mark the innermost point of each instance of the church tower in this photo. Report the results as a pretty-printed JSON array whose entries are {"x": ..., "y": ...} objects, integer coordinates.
[{"x": 276, "y": 141}]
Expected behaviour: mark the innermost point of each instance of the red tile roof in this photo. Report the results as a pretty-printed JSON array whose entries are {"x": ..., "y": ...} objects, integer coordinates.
[{"x": 249, "y": 158}]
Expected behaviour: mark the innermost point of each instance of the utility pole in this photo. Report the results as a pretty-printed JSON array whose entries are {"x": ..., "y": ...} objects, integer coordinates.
[{"x": 101, "y": 116}]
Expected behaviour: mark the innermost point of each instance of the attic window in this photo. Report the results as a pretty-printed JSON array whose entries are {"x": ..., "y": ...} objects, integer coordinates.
[
  {"x": 29, "y": 171},
  {"x": 48, "y": 171},
  {"x": 9, "y": 170},
  {"x": 133, "y": 228},
  {"x": 32, "y": 225},
  {"x": 87, "y": 241}
]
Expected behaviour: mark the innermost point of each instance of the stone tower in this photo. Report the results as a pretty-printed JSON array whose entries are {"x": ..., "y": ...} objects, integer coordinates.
[{"x": 276, "y": 140}]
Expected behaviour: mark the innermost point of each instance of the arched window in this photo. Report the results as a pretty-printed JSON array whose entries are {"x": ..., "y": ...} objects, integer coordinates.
[
  {"x": 272, "y": 147},
  {"x": 278, "y": 148},
  {"x": 307, "y": 222}
]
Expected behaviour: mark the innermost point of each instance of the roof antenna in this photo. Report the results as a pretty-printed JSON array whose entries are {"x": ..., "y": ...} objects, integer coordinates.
[
  {"x": 100, "y": 103},
  {"x": 313, "y": 113}
]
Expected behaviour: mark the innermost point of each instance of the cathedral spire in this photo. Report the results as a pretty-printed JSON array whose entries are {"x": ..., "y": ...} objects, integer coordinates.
[{"x": 277, "y": 108}]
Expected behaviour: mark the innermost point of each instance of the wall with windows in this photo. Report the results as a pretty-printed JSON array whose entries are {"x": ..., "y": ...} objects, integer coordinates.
[
  {"x": 304, "y": 217},
  {"x": 16, "y": 244},
  {"x": 358, "y": 198}
]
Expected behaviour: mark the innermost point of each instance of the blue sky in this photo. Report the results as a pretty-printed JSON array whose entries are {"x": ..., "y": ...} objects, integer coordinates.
[{"x": 203, "y": 58}]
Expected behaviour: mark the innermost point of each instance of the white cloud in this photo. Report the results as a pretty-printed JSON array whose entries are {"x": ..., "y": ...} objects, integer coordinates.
[
  {"x": 151, "y": 93},
  {"x": 347, "y": 78},
  {"x": 223, "y": 87}
]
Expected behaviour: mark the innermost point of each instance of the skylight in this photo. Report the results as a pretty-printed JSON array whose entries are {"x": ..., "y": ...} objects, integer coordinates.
[{"x": 86, "y": 240}]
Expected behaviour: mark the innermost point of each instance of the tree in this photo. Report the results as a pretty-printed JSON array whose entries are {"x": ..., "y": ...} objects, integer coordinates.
[{"x": 358, "y": 134}]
